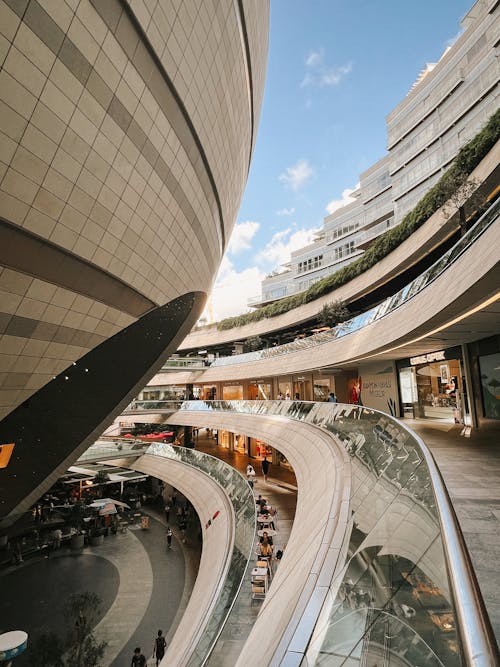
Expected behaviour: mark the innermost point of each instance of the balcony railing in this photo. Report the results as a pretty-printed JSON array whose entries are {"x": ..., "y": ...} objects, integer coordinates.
[
  {"x": 400, "y": 589},
  {"x": 387, "y": 306}
]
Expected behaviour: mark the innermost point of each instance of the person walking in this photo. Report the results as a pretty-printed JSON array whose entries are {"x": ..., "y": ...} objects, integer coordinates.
[
  {"x": 250, "y": 474},
  {"x": 265, "y": 468},
  {"x": 169, "y": 537},
  {"x": 138, "y": 659},
  {"x": 167, "y": 513},
  {"x": 159, "y": 647},
  {"x": 331, "y": 398}
]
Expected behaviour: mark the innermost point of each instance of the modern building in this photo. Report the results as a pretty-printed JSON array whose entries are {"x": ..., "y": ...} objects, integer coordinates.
[
  {"x": 127, "y": 131},
  {"x": 445, "y": 107}
]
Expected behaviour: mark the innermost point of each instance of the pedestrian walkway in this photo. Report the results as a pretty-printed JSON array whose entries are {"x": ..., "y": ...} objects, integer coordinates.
[
  {"x": 471, "y": 471},
  {"x": 281, "y": 492}
]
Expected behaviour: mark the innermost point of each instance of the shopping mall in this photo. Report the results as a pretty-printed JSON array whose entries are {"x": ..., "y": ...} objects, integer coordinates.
[{"x": 277, "y": 488}]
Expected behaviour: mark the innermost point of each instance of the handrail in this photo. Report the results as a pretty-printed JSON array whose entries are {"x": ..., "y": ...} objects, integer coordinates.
[
  {"x": 389, "y": 305},
  {"x": 478, "y": 639},
  {"x": 396, "y": 462},
  {"x": 240, "y": 496}
]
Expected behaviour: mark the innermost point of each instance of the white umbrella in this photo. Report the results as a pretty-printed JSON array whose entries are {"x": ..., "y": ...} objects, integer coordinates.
[{"x": 107, "y": 505}]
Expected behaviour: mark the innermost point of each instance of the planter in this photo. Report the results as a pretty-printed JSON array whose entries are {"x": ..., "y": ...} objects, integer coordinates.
[
  {"x": 76, "y": 542},
  {"x": 96, "y": 540}
]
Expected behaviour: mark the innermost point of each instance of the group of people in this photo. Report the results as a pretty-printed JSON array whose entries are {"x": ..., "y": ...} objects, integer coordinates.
[
  {"x": 287, "y": 396},
  {"x": 160, "y": 645},
  {"x": 265, "y": 465},
  {"x": 182, "y": 513}
]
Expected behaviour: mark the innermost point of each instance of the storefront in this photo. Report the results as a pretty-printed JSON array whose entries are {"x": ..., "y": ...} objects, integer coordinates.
[
  {"x": 205, "y": 392},
  {"x": 322, "y": 386},
  {"x": 232, "y": 392},
  {"x": 259, "y": 449},
  {"x": 259, "y": 390},
  {"x": 484, "y": 364},
  {"x": 432, "y": 386}
]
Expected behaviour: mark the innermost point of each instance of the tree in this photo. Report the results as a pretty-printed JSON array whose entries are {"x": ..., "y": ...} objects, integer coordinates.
[
  {"x": 333, "y": 313},
  {"x": 461, "y": 191},
  {"x": 82, "y": 611},
  {"x": 253, "y": 343},
  {"x": 101, "y": 477},
  {"x": 81, "y": 648},
  {"x": 76, "y": 515}
]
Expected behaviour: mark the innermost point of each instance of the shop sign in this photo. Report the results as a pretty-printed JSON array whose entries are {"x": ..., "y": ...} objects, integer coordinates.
[{"x": 428, "y": 358}]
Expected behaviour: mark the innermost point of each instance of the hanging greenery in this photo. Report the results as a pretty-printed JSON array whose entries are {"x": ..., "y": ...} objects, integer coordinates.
[{"x": 466, "y": 161}]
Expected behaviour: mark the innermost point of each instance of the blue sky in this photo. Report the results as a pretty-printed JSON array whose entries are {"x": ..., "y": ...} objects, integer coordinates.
[{"x": 336, "y": 68}]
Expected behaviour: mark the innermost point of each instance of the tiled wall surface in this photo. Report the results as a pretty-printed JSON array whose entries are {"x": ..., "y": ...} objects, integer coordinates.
[{"x": 125, "y": 137}]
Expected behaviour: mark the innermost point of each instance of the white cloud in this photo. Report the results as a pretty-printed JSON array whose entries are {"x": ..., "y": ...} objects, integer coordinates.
[
  {"x": 320, "y": 73},
  {"x": 282, "y": 244},
  {"x": 242, "y": 235},
  {"x": 232, "y": 290},
  {"x": 346, "y": 198},
  {"x": 308, "y": 80},
  {"x": 332, "y": 77},
  {"x": 285, "y": 211},
  {"x": 315, "y": 58},
  {"x": 296, "y": 176}
]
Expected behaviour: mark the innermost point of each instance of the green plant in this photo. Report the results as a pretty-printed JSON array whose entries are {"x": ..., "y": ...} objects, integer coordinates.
[
  {"x": 81, "y": 648},
  {"x": 82, "y": 612},
  {"x": 101, "y": 477},
  {"x": 450, "y": 182},
  {"x": 76, "y": 515},
  {"x": 253, "y": 343},
  {"x": 333, "y": 313}
]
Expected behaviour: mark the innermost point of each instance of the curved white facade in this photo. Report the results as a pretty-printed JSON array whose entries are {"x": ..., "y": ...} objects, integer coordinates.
[{"x": 126, "y": 132}]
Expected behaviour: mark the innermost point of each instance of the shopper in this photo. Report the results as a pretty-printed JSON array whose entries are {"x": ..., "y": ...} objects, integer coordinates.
[
  {"x": 265, "y": 468},
  {"x": 169, "y": 537},
  {"x": 159, "y": 647},
  {"x": 331, "y": 398},
  {"x": 250, "y": 474},
  {"x": 167, "y": 513},
  {"x": 138, "y": 659}
]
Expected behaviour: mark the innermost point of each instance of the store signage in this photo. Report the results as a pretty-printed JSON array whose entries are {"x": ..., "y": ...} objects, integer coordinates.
[
  {"x": 428, "y": 358},
  {"x": 5, "y": 454}
]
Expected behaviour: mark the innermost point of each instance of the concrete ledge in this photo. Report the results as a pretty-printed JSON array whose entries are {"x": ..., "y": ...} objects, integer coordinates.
[
  {"x": 322, "y": 469},
  {"x": 207, "y": 498}
]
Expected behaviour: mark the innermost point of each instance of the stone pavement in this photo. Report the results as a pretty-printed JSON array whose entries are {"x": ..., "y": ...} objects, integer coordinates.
[
  {"x": 471, "y": 470},
  {"x": 142, "y": 586}
]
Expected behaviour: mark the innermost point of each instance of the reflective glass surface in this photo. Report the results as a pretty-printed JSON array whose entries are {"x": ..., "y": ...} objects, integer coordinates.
[{"x": 389, "y": 601}]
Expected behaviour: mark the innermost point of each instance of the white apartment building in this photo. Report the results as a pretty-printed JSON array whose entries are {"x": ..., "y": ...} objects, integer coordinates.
[{"x": 447, "y": 105}]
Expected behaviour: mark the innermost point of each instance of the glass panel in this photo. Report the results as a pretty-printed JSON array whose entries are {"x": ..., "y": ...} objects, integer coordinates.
[{"x": 389, "y": 602}]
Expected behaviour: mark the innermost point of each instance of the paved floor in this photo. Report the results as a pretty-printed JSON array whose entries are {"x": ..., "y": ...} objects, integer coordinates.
[
  {"x": 143, "y": 587},
  {"x": 34, "y": 594},
  {"x": 471, "y": 471}
]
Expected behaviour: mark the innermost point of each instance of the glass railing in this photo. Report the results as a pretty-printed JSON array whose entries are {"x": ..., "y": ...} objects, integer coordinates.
[
  {"x": 404, "y": 592},
  {"x": 110, "y": 448},
  {"x": 185, "y": 362},
  {"x": 387, "y": 306},
  {"x": 241, "y": 496}
]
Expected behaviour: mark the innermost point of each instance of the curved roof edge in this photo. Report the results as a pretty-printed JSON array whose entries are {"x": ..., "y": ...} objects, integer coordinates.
[{"x": 431, "y": 234}]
